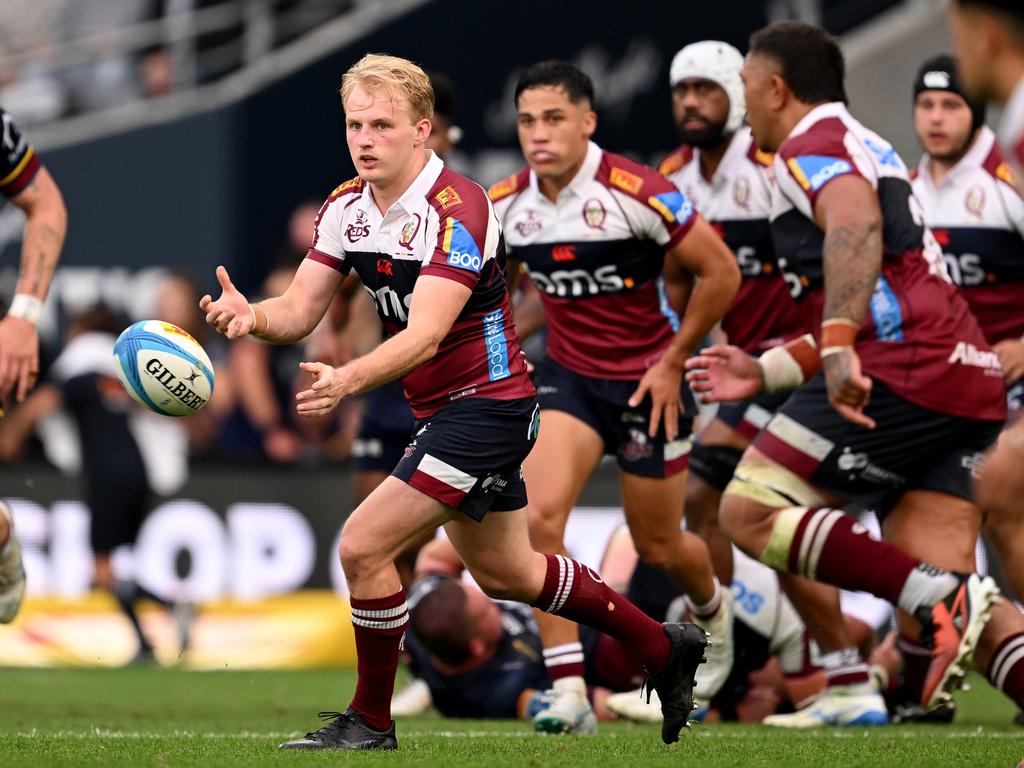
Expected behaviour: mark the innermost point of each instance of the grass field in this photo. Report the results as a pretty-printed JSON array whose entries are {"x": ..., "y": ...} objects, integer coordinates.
[{"x": 163, "y": 717}]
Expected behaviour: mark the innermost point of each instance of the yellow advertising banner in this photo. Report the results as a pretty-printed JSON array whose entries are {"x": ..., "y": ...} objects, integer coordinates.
[{"x": 310, "y": 628}]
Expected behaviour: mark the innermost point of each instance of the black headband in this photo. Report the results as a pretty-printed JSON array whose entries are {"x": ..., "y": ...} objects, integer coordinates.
[{"x": 940, "y": 74}]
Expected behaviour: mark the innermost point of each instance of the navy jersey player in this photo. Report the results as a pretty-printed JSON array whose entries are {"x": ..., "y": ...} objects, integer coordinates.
[
  {"x": 26, "y": 183},
  {"x": 721, "y": 169},
  {"x": 595, "y": 231},
  {"x": 888, "y": 415},
  {"x": 427, "y": 247}
]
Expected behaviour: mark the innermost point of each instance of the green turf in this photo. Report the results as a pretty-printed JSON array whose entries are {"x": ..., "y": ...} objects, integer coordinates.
[{"x": 159, "y": 717}]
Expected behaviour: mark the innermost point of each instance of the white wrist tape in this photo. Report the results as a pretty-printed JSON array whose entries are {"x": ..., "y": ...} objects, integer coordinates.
[
  {"x": 781, "y": 370},
  {"x": 26, "y": 307}
]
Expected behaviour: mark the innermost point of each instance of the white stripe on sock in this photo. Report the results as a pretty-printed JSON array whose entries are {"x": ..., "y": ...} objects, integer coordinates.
[
  {"x": 561, "y": 584},
  {"x": 385, "y": 613},
  {"x": 571, "y": 568},
  {"x": 565, "y": 658},
  {"x": 1010, "y": 655},
  {"x": 554, "y": 650},
  {"x": 380, "y": 624},
  {"x": 830, "y": 519},
  {"x": 805, "y": 542}
]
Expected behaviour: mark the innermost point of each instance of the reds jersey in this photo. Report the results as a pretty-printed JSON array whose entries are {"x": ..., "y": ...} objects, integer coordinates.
[
  {"x": 18, "y": 161},
  {"x": 596, "y": 256},
  {"x": 977, "y": 217},
  {"x": 918, "y": 337},
  {"x": 737, "y": 202},
  {"x": 442, "y": 226},
  {"x": 1011, "y": 130}
]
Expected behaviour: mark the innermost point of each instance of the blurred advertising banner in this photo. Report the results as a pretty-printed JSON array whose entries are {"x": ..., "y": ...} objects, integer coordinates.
[
  {"x": 305, "y": 629},
  {"x": 255, "y": 547}
]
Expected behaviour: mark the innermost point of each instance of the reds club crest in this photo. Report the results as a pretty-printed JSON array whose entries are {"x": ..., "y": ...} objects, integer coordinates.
[
  {"x": 741, "y": 192},
  {"x": 409, "y": 231},
  {"x": 974, "y": 201},
  {"x": 359, "y": 228},
  {"x": 529, "y": 225},
  {"x": 594, "y": 213}
]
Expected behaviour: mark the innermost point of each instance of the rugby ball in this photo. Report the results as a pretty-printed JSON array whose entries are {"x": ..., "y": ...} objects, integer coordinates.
[{"x": 163, "y": 368}]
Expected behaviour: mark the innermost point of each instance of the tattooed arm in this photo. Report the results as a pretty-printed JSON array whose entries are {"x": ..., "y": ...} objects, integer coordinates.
[
  {"x": 44, "y": 235},
  {"x": 848, "y": 212}
]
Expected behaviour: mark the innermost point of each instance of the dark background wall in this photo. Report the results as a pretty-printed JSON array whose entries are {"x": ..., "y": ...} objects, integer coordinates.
[{"x": 218, "y": 187}]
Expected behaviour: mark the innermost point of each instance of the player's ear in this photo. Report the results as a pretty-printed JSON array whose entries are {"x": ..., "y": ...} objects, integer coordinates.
[
  {"x": 477, "y": 647},
  {"x": 779, "y": 91},
  {"x": 589, "y": 122},
  {"x": 423, "y": 128}
]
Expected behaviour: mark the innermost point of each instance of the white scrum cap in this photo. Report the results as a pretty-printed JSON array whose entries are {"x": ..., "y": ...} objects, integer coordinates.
[{"x": 719, "y": 62}]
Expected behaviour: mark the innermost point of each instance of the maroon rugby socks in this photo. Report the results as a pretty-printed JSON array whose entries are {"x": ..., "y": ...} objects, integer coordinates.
[
  {"x": 379, "y": 625},
  {"x": 574, "y": 591}
]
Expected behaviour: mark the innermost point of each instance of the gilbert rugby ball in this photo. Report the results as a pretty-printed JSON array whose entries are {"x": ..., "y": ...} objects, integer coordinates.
[{"x": 163, "y": 368}]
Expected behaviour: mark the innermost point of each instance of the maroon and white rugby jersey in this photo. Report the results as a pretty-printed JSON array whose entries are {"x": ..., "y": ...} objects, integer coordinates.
[
  {"x": 444, "y": 226},
  {"x": 596, "y": 257},
  {"x": 918, "y": 338},
  {"x": 737, "y": 202},
  {"x": 1011, "y": 132},
  {"x": 18, "y": 161},
  {"x": 977, "y": 217}
]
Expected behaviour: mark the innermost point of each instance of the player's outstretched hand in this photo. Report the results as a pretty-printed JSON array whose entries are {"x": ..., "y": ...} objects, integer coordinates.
[
  {"x": 329, "y": 388},
  {"x": 848, "y": 388},
  {"x": 19, "y": 357},
  {"x": 723, "y": 373},
  {"x": 662, "y": 382},
  {"x": 230, "y": 314}
]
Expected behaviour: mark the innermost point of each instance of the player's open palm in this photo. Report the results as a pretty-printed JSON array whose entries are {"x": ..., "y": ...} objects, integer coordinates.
[
  {"x": 848, "y": 388},
  {"x": 230, "y": 314},
  {"x": 723, "y": 373},
  {"x": 328, "y": 389}
]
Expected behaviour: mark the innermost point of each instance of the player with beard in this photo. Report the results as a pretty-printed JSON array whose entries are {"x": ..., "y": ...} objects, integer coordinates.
[
  {"x": 901, "y": 401},
  {"x": 720, "y": 169}
]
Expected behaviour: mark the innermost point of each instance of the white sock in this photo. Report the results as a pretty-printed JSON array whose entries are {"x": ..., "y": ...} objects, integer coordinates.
[
  {"x": 571, "y": 684},
  {"x": 925, "y": 586},
  {"x": 710, "y": 608}
]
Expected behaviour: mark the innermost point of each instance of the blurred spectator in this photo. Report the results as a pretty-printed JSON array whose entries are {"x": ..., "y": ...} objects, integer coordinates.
[
  {"x": 117, "y": 452},
  {"x": 267, "y": 376}
]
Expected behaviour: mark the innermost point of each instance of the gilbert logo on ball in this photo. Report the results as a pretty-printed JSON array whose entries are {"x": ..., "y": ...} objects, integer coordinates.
[{"x": 163, "y": 368}]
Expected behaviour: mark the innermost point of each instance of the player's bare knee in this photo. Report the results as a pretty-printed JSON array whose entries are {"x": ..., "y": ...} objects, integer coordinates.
[
  {"x": 359, "y": 556},
  {"x": 547, "y": 527},
  {"x": 655, "y": 550}
]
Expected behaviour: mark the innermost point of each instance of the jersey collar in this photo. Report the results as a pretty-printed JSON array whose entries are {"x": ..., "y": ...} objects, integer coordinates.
[
  {"x": 412, "y": 199},
  {"x": 820, "y": 112},
  {"x": 974, "y": 158}
]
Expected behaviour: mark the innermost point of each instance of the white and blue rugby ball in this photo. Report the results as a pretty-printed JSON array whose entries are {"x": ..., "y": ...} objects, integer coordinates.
[{"x": 163, "y": 368}]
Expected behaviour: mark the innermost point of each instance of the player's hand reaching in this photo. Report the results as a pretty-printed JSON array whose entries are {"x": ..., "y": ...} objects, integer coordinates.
[
  {"x": 662, "y": 382},
  {"x": 19, "y": 357},
  {"x": 330, "y": 387},
  {"x": 723, "y": 373},
  {"x": 1011, "y": 356},
  {"x": 848, "y": 388},
  {"x": 230, "y": 314}
]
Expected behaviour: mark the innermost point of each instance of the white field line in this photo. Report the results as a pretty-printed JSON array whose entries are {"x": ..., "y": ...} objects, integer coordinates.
[{"x": 101, "y": 733}]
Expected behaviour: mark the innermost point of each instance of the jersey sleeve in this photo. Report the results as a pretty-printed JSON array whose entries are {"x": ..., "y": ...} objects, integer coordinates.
[
  {"x": 817, "y": 157},
  {"x": 325, "y": 246},
  {"x": 18, "y": 160},
  {"x": 657, "y": 209},
  {"x": 464, "y": 218}
]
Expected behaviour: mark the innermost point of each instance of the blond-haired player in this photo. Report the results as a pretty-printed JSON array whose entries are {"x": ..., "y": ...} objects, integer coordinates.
[{"x": 426, "y": 245}]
